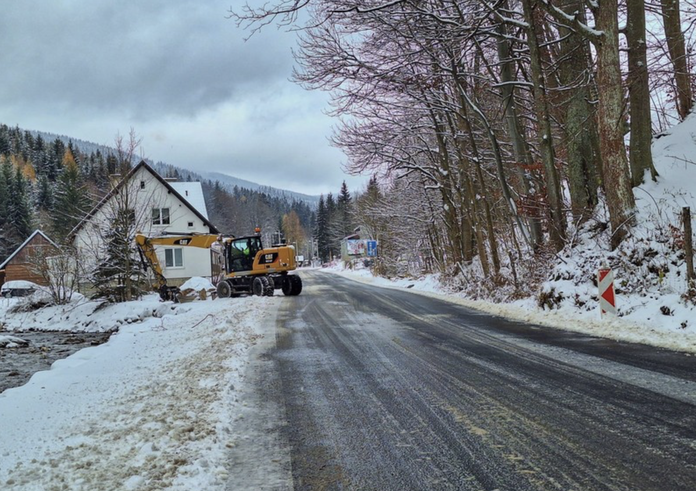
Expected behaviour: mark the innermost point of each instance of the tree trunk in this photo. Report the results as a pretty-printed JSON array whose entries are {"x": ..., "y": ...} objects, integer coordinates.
[
  {"x": 688, "y": 246},
  {"x": 640, "y": 153},
  {"x": 579, "y": 118},
  {"x": 617, "y": 179},
  {"x": 553, "y": 183},
  {"x": 677, "y": 54},
  {"x": 514, "y": 125},
  {"x": 460, "y": 239}
]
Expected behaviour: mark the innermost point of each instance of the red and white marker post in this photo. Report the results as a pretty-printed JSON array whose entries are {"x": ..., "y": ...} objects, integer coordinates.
[{"x": 607, "y": 298}]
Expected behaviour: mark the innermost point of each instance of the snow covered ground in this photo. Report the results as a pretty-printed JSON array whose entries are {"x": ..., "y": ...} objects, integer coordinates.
[{"x": 156, "y": 407}]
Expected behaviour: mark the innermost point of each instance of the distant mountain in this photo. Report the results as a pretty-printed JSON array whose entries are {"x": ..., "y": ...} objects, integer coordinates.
[
  {"x": 230, "y": 182},
  {"x": 227, "y": 182},
  {"x": 84, "y": 146}
]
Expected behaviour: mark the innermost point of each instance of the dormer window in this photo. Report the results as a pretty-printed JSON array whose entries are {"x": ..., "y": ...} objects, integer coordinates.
[{"x": 160, "y": 216}]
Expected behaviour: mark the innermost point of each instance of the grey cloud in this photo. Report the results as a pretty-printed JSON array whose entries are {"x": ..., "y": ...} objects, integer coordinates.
[
  {"x": 180, "y": 74},
  {"x": 142, "y": 57}
]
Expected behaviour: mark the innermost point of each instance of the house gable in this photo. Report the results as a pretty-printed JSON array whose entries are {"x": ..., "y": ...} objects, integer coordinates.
[
  {"x": 18, "y": 265},
  {"x": 143, "y": 174}
]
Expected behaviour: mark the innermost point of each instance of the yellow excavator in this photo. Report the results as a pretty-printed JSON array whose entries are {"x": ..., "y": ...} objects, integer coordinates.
[{"x": 248, "y": 268}]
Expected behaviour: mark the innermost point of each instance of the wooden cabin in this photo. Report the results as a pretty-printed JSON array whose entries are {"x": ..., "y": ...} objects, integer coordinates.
[{"x": 18, "y": 265}]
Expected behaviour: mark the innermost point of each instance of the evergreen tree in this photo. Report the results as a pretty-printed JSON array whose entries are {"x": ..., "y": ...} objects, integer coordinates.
[
  {"x": 5, "y": 179},
  {"x": 20, "y": 223},
  {"x": 117, "y": 276},
  {"x": 321, "y": 231},
  {"x": 5, "y": 146},
  {"x": 72, "y": 200},
  {"x": 44, "y": 194},
  {"x": 333, "y": 245},
  {"x": 54, "y": 159},
  {"x": 343, "y": 224},
  {"x": 38, "y": 156}
]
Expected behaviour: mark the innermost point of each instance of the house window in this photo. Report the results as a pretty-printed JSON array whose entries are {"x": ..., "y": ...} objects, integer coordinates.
[
  {"x": 142, "y": 184},
  {"x": 174, "y": 258},
  {"x": 190, "y": 224},
  {"x": 160, "y": 216}
]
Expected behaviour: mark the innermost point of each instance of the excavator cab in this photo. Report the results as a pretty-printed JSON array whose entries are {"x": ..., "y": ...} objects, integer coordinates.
[{"x": 242, "y": 252}]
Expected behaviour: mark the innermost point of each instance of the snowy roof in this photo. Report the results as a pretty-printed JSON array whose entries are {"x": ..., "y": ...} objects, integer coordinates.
[
  {"x": 29, "y": 239},
  {"x": 193, "y": 193}
]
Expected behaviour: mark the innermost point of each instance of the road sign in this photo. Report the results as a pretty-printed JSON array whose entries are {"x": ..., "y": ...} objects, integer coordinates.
[{"x": 607, "y": 299}]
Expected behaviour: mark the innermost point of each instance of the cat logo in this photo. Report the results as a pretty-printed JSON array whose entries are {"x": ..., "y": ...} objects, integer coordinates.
[{"x": 269, "y": 258}]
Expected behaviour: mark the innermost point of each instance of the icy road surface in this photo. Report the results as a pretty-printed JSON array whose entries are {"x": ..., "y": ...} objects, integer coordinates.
[{"x": 384, "y": 389}]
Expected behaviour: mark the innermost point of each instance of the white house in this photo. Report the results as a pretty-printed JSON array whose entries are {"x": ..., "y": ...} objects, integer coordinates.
[{"x": 159, "y": 207}]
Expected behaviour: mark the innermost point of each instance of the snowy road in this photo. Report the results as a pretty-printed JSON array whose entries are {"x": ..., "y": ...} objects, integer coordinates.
[{"x": 384, "y": 389}]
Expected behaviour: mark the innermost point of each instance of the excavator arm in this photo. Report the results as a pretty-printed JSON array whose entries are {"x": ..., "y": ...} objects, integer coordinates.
[{"x": 146, "y": 246}]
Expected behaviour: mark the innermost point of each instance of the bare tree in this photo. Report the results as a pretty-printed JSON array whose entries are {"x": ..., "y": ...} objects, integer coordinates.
[
  {"x": 616, "y": 176},
  {"x": 59, "y": 272},
  {"x": 640, "y": 152},
  {"x": 106, "y": 242},
  {"x": 677, "y": 53},
  {"x": 515, "y": 126},
  {"x": 545, "y": 135},
  {"x": 577, "y": 115}
]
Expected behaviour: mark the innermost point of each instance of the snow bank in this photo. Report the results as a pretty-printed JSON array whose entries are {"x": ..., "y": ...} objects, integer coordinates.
[
  {"x": 153, "y": 408},
  {"x": 197, "y": 283},
  {"x": 81, "y": 314}
]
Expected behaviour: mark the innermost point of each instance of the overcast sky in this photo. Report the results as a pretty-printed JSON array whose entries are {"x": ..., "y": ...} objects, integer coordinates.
[{"x": 180, "y": 74}]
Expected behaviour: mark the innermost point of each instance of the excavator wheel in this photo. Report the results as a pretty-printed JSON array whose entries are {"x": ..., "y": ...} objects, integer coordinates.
[
  {"x": 287, "y": 285},
  {"x": 292, "y": 285},
  {"x": 224, "y": 290},
  {"x": 261, "y": 286}
]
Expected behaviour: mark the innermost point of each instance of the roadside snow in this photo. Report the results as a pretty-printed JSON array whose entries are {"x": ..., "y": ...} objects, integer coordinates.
[{"x": 156, "y": 407}]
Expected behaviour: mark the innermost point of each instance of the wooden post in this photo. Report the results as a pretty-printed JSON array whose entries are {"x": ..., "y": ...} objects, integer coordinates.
[{"x": 688, "y": 246}]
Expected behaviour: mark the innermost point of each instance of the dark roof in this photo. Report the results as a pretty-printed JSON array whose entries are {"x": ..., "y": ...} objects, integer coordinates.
[
  {"x": 122, "y": 182},
  {"x": 24, "y": 244}
]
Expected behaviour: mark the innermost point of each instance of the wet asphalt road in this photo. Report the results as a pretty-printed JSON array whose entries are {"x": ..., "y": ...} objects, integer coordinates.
[{"x": 388, "y": 390}]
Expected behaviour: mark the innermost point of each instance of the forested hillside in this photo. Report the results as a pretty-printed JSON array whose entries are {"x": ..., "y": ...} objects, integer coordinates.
[{"x": 50, "y": 184}]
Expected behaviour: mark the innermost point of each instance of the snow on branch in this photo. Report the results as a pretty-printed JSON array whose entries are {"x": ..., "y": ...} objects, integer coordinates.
[
  {"x": 513, "y": 82},
  {"x": 502, "y": 18},
  {"x": 572, "y": 20}
]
